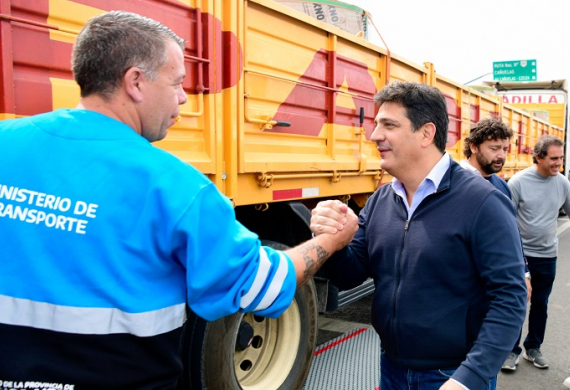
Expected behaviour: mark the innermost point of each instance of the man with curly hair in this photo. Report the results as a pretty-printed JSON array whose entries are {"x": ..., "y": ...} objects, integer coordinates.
[{"x": 485, "y": 150}]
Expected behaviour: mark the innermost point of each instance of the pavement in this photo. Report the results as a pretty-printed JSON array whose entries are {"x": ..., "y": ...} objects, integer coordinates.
[{"x": 556, "y": 346}]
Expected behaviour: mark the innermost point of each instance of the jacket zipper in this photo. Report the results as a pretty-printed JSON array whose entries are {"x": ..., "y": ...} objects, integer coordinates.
[
  {"x": 400, "y": 261},
  {"x": 399, "y": 280}
]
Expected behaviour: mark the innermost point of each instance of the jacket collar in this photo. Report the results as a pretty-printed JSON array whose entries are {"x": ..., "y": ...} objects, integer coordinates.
[{"x": 446, "y": 179}]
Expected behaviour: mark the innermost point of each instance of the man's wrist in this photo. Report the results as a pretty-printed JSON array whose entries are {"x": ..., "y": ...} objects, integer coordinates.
[{"x": 460, "y": 384}]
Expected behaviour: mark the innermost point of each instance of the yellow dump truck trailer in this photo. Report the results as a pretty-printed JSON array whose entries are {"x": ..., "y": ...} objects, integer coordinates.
[{"x": 279, "y": 116}]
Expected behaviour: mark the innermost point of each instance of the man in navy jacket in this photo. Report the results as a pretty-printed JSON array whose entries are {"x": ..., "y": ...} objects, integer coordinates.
[
  {"x": 443, "y": 249},
  {"x": 486, "y": 149}
]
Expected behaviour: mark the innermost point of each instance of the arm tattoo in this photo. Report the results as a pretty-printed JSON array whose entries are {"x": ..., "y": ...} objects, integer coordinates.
[{"x": 312, "y": 264}]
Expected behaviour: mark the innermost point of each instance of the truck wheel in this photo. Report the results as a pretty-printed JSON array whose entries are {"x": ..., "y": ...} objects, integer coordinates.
[{"x": 249, "y": 352}]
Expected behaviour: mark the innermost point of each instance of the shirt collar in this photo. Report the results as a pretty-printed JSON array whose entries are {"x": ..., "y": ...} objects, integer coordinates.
[
  {"x": 434, "y": 176},
  {"x": 467, "y": 165}
]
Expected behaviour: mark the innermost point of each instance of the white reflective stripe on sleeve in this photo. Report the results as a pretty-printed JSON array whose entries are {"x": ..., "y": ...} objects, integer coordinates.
[
  {"x": 259, "y": 281},
  {"x": 276, "y": 284},
  {"x": 87, "y": 320}
]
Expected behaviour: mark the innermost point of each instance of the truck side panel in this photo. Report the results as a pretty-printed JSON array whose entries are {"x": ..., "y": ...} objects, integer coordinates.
[
  {"x": 37, "y": 40},
  {"x": 314, "y": 88}
]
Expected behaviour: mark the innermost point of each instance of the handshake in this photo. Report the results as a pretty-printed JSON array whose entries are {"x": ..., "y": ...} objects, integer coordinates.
[{"x": 334, "y": 218}]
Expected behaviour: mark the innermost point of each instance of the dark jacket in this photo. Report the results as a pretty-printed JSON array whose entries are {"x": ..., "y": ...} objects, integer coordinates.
[
  {"x": 499, "y": 184},
  {"x": 450, "y": 290}
]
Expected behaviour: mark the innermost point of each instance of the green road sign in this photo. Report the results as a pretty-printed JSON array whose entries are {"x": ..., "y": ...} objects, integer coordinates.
[{"x": 523, "y": 70}]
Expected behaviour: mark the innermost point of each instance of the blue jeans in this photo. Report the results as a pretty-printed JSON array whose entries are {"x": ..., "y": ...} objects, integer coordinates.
[
  {"x": 542, "y": 274},
  {"x": 396, "y": 378}
]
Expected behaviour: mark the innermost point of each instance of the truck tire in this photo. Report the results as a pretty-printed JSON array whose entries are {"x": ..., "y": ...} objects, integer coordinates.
[{"x": 250, "y": 352}]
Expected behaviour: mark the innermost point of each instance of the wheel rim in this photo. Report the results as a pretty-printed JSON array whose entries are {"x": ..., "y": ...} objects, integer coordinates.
[{"x": 266, "y": 363}]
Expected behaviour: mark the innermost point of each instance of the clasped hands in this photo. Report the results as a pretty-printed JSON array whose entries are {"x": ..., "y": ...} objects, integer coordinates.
[{"x": 332, "y": 217}]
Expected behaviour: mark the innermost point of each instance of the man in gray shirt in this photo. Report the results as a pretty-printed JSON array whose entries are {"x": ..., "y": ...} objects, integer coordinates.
[{"x": 538, "y": 192}]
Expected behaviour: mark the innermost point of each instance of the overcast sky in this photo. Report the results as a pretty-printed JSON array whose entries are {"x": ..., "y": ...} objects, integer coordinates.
[{"x": 464, "y": 37}]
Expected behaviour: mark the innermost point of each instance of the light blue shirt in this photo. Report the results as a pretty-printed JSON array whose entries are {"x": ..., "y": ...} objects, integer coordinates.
[{"x": 427, "y": 186}]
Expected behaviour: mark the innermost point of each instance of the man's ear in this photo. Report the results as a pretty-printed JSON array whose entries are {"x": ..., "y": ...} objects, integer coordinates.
[
  {"x": 428, "y": 134},
  {"x": 132, "y": 83},
  {"x": 473, "y": 149}
]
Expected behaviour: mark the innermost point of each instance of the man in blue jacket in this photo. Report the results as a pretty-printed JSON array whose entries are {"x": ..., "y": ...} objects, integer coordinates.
[
  {"x": 443, "y": 249},
  {"x": 486, "y": 149},
  {"x": 105, "y": 238}
]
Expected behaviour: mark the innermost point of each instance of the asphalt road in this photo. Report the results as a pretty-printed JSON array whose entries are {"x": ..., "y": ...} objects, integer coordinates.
[{"x": 556, "y": 345}]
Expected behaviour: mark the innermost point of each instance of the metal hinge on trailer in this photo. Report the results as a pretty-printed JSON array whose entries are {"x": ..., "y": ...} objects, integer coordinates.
[{"x": 266, "y": 179}]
